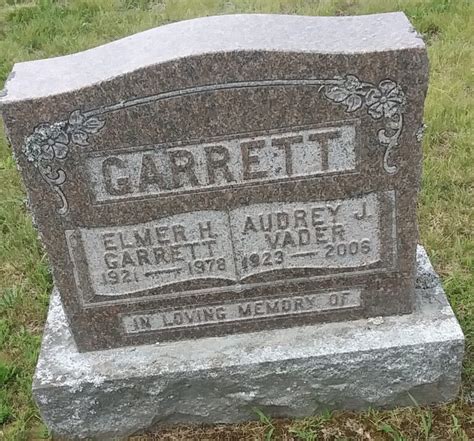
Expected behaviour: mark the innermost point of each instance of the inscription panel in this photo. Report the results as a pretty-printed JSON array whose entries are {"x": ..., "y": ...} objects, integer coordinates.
[
  {"x": 189, "y": 246},
  {"x": 241, "y": 311},
  {"x": 237, "y": 160},
  {"x": 227, "y": 248},
  {"x": 328, "y": 234}
]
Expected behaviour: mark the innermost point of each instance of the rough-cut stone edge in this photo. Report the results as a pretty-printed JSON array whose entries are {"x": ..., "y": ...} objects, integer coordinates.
[
  {"x": 380, "y": 362},
  {"x": 208, "y": 35}
]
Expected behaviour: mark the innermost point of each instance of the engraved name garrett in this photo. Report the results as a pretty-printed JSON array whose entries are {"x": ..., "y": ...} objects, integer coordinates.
[{"x": 234, "y": 160}]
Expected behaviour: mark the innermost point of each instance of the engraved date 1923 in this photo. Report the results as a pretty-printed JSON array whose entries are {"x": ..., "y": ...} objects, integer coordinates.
[{"x": 266, "y": 258}]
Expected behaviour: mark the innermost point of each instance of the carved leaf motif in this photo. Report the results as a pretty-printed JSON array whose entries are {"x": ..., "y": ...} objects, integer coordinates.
[
  {"x": 353, "y": 102},
  {"x": 76, "y": 118},
  {"x": 79, "y": 127},
  {"x": 336, "y": 94},
  {"x": 79, "y": 137},
  {"x": 93, "y": 125}
]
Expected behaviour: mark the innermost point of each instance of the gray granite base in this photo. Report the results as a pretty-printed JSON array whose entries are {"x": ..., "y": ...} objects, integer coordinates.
[{"x": 381, "y": 362}]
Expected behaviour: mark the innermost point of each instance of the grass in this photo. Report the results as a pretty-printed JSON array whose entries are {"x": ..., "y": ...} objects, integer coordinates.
[{"x": 44, "y": 28}]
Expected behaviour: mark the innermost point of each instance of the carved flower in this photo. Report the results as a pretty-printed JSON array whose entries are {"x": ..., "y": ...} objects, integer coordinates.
[
  {"x": 50, "y": 141},
  {"x": 47, "y": 142},
  {"x": 385, "y": 101},
  {"x": 347, "y": 93},
  {"x": 80, "y": 127}
]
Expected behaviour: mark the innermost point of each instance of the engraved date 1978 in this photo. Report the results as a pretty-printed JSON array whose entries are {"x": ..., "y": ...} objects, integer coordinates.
[{"x": 207, "y": 266}]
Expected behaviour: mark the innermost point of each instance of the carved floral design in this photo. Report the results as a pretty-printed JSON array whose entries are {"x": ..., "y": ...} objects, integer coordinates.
[
  {"x": 385, "y": 101},
  {"x": 48, "y": 145},
  {"x": 50, "y": 142},
  {"x": 80, "y": 127},
  {"x": 349, "y": 91}
]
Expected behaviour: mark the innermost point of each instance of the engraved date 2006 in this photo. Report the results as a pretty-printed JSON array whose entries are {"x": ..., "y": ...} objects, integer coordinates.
[{"x": 348, "y": 248}]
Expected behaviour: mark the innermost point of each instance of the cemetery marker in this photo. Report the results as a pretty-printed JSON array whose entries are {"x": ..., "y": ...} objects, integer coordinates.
[{"x": 227, "y": 175}]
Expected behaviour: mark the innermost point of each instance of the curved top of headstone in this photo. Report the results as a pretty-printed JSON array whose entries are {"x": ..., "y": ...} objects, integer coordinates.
[{"x": 225, "y": 33}]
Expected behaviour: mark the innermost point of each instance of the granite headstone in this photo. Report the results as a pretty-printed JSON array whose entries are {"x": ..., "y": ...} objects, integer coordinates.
[
  {"x": 226, "y": 174},
  {"x": 205, "y": 187}
]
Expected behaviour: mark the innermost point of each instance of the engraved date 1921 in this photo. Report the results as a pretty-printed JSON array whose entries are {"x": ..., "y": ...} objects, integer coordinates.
[{"x": 114, "y": 277}]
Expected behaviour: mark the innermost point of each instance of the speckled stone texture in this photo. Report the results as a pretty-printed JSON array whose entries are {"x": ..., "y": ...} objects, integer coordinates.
[
  {"x": 226, "y": 174},
  {"x": 294, "y": 372}
]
